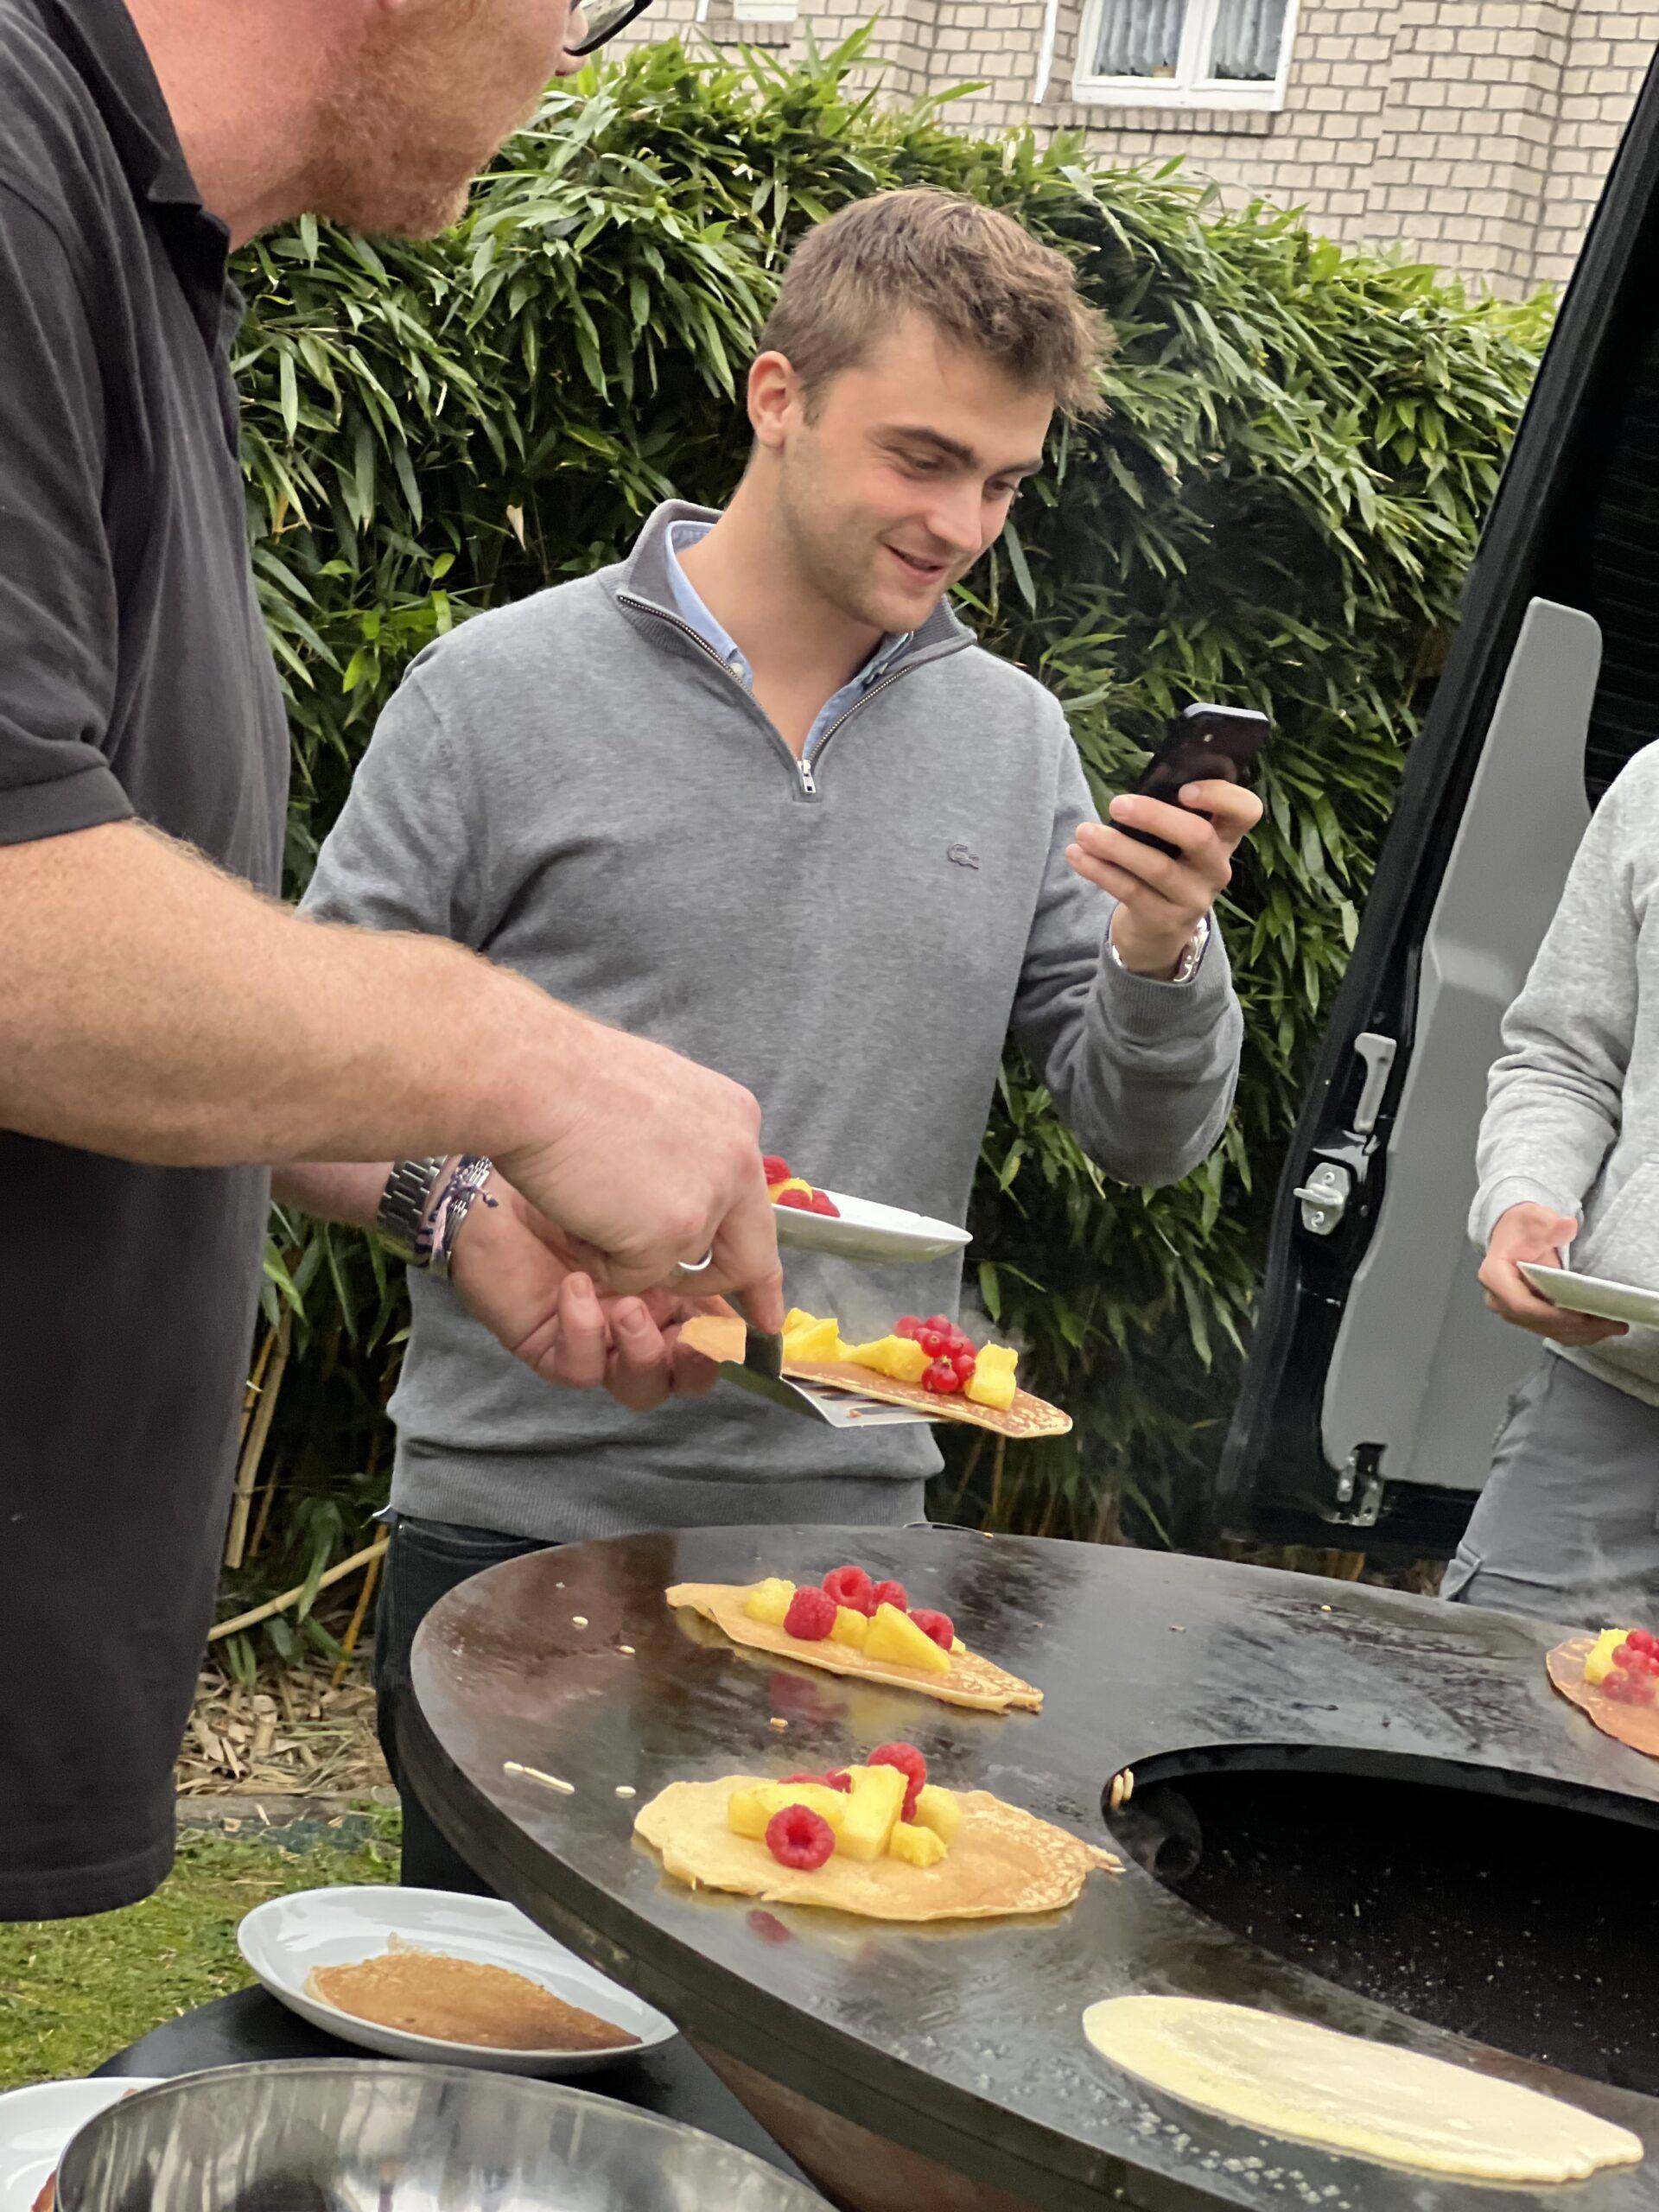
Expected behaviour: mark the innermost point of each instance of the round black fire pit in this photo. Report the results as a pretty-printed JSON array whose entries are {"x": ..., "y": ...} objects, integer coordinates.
[{"x": 1326, "y": 1778}]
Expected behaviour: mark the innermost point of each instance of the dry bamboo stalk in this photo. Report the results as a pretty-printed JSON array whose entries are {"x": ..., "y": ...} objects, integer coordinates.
[
  {"x": 275, "y": 1605},
  {"x": 354, "y": 1628},
  {"x": 251, "y": 1396},
  {"x": 253, "y": 1449}
]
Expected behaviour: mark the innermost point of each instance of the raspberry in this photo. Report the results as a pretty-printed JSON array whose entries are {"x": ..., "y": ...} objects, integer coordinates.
[
  {"x": 851, "y": 1586},
  {"x": 939, "y": 1626},
  {"x": 801, "y": 1199},
  {"x": 769, "y": 1928},
  {"x": 838, "y": 1778},
  {"x": 911, "y": 1763},
  {"x": 776, "y": 1168},
  {"x": 811, "y": 1615},
  {"x": 818, "y": 1781},
  {"x": 798, "y": 1838},
  {"x": 823, "y": 1203},
  {"x": 892, "y": 1593}
]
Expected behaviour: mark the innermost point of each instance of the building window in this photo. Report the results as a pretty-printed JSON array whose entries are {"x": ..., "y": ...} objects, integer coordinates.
[{"x": 1223, "y": 53}]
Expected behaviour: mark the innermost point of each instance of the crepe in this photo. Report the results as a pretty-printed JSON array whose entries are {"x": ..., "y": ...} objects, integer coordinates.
[
  {"x": 1635, "y": 1725},
  {"x": 971, "y": 1681},
  {"x": 1002, "y": 1862},
  {"x": 460, "y": 2001},
  {"x": 1291, "y": 2078},
  {"x": 722, "y": 1339}
]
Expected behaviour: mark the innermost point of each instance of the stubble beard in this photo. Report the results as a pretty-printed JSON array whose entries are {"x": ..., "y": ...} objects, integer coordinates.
[{"x": 385, "y": 163}]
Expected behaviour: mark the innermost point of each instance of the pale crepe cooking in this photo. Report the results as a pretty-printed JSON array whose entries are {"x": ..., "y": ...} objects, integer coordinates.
[
  {"x": 1003, "y": 1862},
  {"x": 1292, "y": 2078},
  {"x": 971, "y": 1681}
]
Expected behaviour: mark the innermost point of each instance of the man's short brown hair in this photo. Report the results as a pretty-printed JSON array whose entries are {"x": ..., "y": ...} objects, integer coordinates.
[{"x": 977, "y": 275}]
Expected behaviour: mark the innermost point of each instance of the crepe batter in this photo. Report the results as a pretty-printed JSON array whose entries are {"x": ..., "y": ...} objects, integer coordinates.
[{"x": 1289, "y": 2077}]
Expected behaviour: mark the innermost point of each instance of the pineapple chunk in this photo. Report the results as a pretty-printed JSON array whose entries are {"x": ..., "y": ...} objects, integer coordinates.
[
  {"x": 957, "y": 1644},
  {"x": 812, "y": 1340},
  {"x": 851, "y": 1627},
  {"x": 915, "y": 1845},
  {"x": 791, "y": 1183},
  {"x": 901, "y": 1358},
  {"x": 1599, "y": 1664},
  {"x": 939, "y": 1810},
  {"x": 894, "y": 1636},
  {"x": 992, "y": 1380},
  {"x": 769, "y": 1601},
  {"x": 749, "y": 1812},
  {"x": 870, "y": 1815}
]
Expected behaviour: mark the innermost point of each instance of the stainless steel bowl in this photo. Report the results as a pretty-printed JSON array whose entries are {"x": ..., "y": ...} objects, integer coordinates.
[{"x": 326, "y": 2135}]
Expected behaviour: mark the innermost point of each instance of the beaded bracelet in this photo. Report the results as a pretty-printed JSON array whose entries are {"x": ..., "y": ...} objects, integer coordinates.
[{"x": 436, "y": 1249}]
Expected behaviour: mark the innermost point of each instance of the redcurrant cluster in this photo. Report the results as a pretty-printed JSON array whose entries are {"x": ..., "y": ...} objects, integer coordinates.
[{"x": 950, "y": 1350}]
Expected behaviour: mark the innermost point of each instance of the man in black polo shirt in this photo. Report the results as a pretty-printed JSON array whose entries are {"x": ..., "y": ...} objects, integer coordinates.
[{"x": 163, "y": 1022}]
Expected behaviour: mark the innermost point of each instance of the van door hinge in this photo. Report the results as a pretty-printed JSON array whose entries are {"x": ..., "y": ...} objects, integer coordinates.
[{"x": 1359, "y": 1490}]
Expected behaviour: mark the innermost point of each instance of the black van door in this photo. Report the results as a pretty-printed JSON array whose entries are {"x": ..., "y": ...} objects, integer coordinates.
[{"x": 1377, "y": 1379}]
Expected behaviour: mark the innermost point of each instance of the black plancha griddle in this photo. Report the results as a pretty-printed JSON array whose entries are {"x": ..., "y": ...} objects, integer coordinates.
[{"x": 1316, "y": 1763}]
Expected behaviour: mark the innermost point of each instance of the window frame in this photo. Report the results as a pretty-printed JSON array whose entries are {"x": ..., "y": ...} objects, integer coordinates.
[{"x": 1185, "y": 89}]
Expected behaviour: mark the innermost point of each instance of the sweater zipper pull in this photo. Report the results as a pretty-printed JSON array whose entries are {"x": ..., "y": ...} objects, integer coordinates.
[{"x": 809, "y": 781}]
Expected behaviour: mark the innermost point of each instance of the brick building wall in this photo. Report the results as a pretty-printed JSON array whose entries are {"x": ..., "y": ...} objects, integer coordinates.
[{"x": 1474, "y": 133}]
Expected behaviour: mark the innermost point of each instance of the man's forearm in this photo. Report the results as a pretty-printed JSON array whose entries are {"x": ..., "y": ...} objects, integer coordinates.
[{"x": 159, "y": 1010}]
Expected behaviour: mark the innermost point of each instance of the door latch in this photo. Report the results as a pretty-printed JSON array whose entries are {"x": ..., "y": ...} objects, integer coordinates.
[
  {"x": 1360, "y": 1491},
  {"x": 1324, "y": 1197}
]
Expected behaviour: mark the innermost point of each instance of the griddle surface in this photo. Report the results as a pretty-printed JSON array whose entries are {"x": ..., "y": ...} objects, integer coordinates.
[{"x": 968, "y": 2044}]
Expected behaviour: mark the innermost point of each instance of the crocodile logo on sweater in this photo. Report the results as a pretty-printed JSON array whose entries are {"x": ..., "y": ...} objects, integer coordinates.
[{"x": 962, "y": 856}]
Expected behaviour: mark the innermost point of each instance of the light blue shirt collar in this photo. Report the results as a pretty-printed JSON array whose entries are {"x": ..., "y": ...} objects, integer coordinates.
[{"x": 692, "y": 611}]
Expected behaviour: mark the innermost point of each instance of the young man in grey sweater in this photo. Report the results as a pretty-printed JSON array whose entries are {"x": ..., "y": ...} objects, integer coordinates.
[
  {"x": 756, "y": 793},
  {"x": 1568, "y": 1526}
]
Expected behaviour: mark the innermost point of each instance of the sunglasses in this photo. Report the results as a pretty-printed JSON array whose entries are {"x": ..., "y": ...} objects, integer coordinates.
[{"x": 601, "y": 21}]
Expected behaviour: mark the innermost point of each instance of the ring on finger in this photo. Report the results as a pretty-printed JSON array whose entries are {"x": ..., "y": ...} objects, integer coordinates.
[{"x": 697, "y": 1267}]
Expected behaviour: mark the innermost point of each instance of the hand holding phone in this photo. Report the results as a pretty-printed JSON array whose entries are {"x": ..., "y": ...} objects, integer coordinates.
[{"x": 1167, "y": 862}]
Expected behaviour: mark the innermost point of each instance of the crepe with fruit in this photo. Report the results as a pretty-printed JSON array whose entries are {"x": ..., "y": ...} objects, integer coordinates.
[
  {"x": 849, "y": 1624},
  {"x": 786, "y": 1188},
  {"x": 879, "y": 1839},
  {"x": 931, "y": 1364},
  {"x": 1614, "y": 1677}
]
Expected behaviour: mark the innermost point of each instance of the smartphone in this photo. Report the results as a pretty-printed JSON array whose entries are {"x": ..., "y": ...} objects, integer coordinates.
[{"x": 1205, "y": 744}]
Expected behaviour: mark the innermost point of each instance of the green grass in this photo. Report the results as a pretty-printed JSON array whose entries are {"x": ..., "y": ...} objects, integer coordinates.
[{"x": 74, "y": 1991}]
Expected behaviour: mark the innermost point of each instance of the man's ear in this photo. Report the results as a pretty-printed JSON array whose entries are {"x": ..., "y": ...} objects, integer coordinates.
[{"x": 775, "y": 399}]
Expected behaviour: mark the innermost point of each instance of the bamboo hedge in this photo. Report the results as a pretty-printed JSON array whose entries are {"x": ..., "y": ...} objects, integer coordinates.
[{"x": 1277, "y": 510}]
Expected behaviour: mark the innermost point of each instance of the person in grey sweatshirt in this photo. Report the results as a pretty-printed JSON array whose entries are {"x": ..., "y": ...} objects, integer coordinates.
[
  {"x": 756, "y": 793},
  {"x": 1568, "y": 1526}
]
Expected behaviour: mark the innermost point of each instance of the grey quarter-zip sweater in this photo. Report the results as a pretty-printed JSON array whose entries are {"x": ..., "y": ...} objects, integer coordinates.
[
  {"x": 1571, "y": 1118},
  {"x": 576, "y": 787}
]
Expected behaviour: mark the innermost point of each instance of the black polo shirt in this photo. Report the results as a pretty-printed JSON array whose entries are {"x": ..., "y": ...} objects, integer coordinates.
[{"x": 135, "y": 680}]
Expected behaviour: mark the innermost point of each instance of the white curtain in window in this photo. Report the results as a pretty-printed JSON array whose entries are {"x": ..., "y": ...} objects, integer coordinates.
[
  {"x": 1139, "y": 38},
  {"x": 1248, "y": 36}
]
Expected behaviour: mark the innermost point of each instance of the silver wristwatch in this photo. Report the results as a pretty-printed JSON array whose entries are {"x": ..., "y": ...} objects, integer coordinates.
[
  {"x": 1187, "y": 967},
  {"x": 402, "y": 1210}
]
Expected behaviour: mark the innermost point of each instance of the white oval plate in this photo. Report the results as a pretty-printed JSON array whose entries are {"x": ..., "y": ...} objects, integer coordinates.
[
  {"x": 38, "y": 2124},
  {"x": 866, "y": 1230},
  {"x": 285, "y": 1939},
  {"x": 1595, "y": 1295}
]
